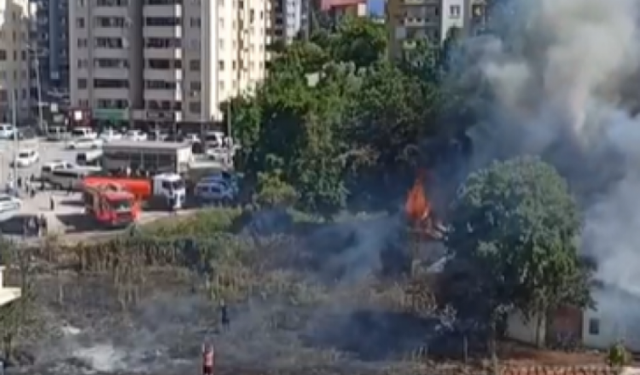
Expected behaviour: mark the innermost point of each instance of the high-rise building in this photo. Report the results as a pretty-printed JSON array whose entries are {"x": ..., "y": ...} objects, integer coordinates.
[
  {"x": 290, "y": 19},
  {"x": 50, "y": 45},
  {"x": 408, "y": 20},
  {"x": 158, "y": 62},
  {"x": 339, "y": 8},
  {"x": 14, "y": 59}
]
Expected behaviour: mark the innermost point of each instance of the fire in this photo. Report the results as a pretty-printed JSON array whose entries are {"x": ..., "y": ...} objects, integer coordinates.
[{"x": 417, "y": 206}]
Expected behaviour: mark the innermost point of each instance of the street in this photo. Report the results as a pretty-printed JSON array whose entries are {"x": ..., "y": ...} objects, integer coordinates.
[{"x": 68, "y": 215}]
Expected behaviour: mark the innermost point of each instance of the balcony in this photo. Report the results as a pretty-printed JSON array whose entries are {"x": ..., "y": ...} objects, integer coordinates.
[
  {"x": 163, "y": 53},
  {"x": 110, "y": 11},
  {"x": 162, "y": 10},
  {"x": 118, "y": 93},
  {"x": 169, "y": 95},
  {"x": 162, "y": 74},
  {"x": 162, "y": 31},
  {"x": 111, "y": 73}
]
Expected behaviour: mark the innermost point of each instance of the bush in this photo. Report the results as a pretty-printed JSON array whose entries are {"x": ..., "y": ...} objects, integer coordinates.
[
  {"x": 618, "y": 355},
  {"x": 202, "y": 223}
]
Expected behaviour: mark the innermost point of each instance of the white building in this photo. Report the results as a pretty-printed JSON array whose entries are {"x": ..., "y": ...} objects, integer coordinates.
[
  {"x": 7, "y": 294},
  {"x": 14, "y": 58},
  {"x": 408, "y": 20},
  {"x": 163, "y": 61}
]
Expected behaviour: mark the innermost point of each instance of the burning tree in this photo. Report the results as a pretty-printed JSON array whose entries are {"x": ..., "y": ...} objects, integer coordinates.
[{"x": 513, "y": 244}]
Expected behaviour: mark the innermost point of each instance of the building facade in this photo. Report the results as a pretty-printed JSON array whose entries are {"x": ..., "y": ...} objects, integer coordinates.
[
  {"x": 340, "y": 8},
  {"x": 151, "y": 63},
  {"x": 50, "y": 42},
  {"x": 14, "y": 59},
  {"x": 408, "y": 20},
  {"x": 290, "y": 19}
]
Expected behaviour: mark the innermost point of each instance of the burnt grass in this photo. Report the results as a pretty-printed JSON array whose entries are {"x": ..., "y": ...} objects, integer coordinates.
[{"x": 311, "y": 301}]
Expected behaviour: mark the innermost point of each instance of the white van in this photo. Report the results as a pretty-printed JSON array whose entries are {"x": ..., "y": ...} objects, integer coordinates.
[
  {"x": 91, "y": 158},
  {"x": 68, "y": 179}
]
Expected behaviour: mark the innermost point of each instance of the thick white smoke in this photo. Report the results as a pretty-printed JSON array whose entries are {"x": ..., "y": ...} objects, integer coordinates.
[{"x": 554, "y": 81}]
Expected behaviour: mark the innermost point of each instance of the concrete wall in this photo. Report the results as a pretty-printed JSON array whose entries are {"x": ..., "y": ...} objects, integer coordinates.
[{"x": 525, "y": 331}]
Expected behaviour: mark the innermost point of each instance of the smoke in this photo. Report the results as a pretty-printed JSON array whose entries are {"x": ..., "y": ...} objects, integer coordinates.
[{"x": 555, "y": 82}]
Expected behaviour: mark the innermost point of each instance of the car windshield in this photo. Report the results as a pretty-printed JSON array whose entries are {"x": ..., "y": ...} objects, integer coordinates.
[
  {"x": 177, "y": 185},
  {"x": 78, "y": 132},
  {"x": 5, "y": 198},
  {"x": 23, "y": 154},
  {"x": 121, "y": 204}
]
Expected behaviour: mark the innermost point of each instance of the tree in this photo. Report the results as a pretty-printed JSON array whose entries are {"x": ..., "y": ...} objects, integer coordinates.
[{"x": 513, "y": 243}]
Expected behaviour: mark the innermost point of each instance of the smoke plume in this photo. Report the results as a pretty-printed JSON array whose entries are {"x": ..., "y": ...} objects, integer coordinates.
[{"x": 556, "y": 82}]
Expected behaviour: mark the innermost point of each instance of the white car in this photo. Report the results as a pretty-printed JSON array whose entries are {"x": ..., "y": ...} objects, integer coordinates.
[
  {"x": 85, "y": 143},
  {"x": 83, "y": 132},
  {"x": 26, "y": 158},
  {"x": 9, "y": 203},
  {"x": 6, "y": 131},
  {"x": 110, "y": 135},
  {"x": 136, "y": 135}
]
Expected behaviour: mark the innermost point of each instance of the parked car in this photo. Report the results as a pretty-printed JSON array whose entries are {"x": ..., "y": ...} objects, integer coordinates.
[
  {"x": 109, "y": 135},
  {"x": 136, "y": 135},
  {"x": 57, "y": 133},
  {"x": 82, "y": 132},
  {"x": 84, "y": 143},
  {"x": 47, "y": 169},
  {"x": 7, "y": 131},
  {"x": 9, "y": 203},
  {"x": 26, "y": 158}
]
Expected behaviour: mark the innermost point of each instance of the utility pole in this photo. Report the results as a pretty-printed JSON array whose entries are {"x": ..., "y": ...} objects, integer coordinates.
[
  {"x": 41, "y": 125},
  {"x": 14, "y": 123}
]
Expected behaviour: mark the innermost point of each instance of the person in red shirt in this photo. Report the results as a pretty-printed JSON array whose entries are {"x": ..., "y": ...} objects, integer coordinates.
[{"x": 207, "y": 359}]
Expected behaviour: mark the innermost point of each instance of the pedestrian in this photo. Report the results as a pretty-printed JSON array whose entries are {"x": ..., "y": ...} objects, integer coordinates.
[
  {"x": 207, "y": 359},
  {"x": 19, "y": 182},
  {"x": 36, "y": 226},
  {"x": 224, "y": 315},
  {"x": 44, "y": 225},
  {"x": 32, "y": 192},
  {"x": 52, "y": 203}
]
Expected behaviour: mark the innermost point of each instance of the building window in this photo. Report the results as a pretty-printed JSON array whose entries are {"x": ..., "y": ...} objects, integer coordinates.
[
  {"x": 80, "y": 23},
  {"x": 82, "y": 83},
  {"x": 194, "y": 65},
  {"x": 194, "y": 107},
  {"x": 454, "y": 11},
  {"x": 221, "y": 66},
  {"x": 594, "y": 327},
  {"x": 3, "y": 55},
  {"x": 195, "y": 22}
]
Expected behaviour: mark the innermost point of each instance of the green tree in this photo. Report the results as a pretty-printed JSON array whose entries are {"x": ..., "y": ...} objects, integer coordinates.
[
  {"x": 513, "y": 242},
  {"x": 359, "y": 40}
]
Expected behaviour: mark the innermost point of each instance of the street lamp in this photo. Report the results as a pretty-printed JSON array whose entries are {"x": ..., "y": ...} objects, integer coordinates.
[{"x": 34, "y": 53}]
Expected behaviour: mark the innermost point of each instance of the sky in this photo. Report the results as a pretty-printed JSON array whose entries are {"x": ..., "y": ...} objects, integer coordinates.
[{"x": 376, "y": 6}]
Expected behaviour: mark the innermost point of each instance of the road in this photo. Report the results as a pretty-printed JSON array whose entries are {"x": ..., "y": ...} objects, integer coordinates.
[
  {"x": 48, "y": 151},
  {"x": 68, "y": 215}
]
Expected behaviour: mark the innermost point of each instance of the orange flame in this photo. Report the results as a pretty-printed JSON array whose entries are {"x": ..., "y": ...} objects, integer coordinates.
[{"x": 417, "y": 206}]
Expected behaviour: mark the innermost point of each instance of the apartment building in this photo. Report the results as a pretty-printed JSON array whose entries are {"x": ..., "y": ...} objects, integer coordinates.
[
  {"x": 408, "y": 20},
  {"x": 290, "y": 19},
  {"x": 51, "y": 46},
  {"x": 160, "y": 62},
  {"x": 340, "y": 8},
  {"x": 14, "y": 59}
]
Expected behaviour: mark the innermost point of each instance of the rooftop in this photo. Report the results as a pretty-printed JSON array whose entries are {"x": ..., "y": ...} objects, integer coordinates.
[{"x": 145, "y": 145}]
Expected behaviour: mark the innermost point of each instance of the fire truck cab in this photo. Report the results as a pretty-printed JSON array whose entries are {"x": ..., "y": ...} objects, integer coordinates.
[{"x": 110, "y": 205}]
